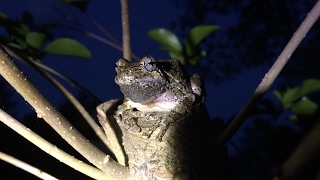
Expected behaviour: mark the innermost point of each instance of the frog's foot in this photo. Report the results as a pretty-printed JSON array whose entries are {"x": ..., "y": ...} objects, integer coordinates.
[
  {"x": 163, "y": 127},
  {"x": 148, "y": 132},
  {"x": 131, "y": 125}
]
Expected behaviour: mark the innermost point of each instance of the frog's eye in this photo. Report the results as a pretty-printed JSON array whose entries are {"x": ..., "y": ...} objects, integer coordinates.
[{"x": 150, "y": 64}]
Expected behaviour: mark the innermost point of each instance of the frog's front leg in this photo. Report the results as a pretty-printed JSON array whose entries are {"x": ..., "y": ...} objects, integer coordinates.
[
  {"x": 129, "y": 120},
  {"x": 163, "y": 127},
  {"x": 131, "y": 124},
  {"x": 163, "y": 123}
]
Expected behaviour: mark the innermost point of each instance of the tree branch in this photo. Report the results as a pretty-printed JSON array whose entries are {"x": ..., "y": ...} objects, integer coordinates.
[
  {"x": 56, "y": 120},
  {"x": 26, "y": 167},
  {"x": 49, "y": 69},
  {"x": 125, "y": 29},
  {"x": 85, "y": 114},
  {"x": 272, "y": 74},
  {"x": 50, "y": 148}
]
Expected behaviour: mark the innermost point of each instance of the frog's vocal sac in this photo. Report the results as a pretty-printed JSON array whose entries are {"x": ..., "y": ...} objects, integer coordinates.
[{"x": 157, "y": 94}]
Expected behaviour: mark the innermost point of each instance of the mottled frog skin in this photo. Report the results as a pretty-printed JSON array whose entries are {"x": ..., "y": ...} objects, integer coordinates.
[{"x": 157, "y": 94}]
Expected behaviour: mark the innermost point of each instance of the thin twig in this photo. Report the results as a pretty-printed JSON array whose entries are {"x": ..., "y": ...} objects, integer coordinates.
[
  {"x": 126, "y": 48},
  {"x": 50, "y": 148},
  {"x": 26, "y": 167},
  {"x": 125, "y": 29},
  {"x": 56, "y": 120},
  {"x": 102, "y": 29},
  {"x": 270, "y": 77},
  {"x": 53, "y": 71},
  {"x": 101, "y": 39}
]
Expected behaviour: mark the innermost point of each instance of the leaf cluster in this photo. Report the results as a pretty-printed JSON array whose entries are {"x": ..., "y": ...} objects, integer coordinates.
[
  {"x": 190, "y": 52},
  {"x": 296, "y": 99},
  {"x": 35, "y": 43}
]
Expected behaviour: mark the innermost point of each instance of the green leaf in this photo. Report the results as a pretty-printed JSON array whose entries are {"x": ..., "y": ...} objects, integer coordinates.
[
  {"x": 35, "y": 39},
  {"x": 16, "y": 46},
  {"x": 196, "y": 35},
  {"x": 278, "y": 95},
  {"x": 67, "y": 47},
  {"x": 293, "y": 118},
  {"x": 166, "y": 38},
  {"x": 304, "y": 108},
  {"x": 307, "y": 87},
  {"x": 196, "y": 57},
  {"x": 289, "y": 97},
  {"x": 177, "y": 56},
  {"x": 3, "y": 16},
  {"x": 19, "y": 41},
  {"x": 19, "y": 29}
]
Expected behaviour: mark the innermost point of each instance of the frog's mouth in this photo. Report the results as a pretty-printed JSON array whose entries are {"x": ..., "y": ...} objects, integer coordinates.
[
  {"x": 164, "y": 101},
  {"x": 143, "y": 94}
]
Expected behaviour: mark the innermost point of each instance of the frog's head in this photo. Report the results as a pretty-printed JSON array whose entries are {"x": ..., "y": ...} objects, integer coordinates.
[{"x": 142, "y": 81}]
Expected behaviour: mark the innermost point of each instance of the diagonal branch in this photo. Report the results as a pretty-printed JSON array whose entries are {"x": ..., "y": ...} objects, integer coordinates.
[
  {"x": 271, "y": 75},
  {"x": 56, "y": 120},
  {"x": 85, "y": 114},
  {"x": 50, "y": 148},
  {"x": 53, "y": 71},
  {"x": 101, "y": 28},
  {"x": 26, "y": 167}
]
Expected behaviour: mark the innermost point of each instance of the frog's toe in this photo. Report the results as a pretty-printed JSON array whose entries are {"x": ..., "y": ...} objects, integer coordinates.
[
  {"x": 134, "y": 128},
  {"x": 147, "y": 134}
]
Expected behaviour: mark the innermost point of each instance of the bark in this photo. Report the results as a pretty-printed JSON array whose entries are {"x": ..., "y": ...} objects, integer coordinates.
[{"x": 187, "y": 150}]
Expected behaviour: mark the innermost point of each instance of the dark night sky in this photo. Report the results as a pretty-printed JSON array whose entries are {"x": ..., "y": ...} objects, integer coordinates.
[{"x": 97, "y": 74}]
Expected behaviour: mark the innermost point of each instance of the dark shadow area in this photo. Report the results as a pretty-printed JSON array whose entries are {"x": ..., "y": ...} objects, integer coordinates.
[{"x": 252, "y": 34}]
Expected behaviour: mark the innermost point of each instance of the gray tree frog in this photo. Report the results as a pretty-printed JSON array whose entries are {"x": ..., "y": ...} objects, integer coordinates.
[{"x": 157, "y": 94}]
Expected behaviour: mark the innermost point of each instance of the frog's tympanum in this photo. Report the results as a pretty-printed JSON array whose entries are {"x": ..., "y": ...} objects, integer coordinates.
[{"x": 157, "y": 94}]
